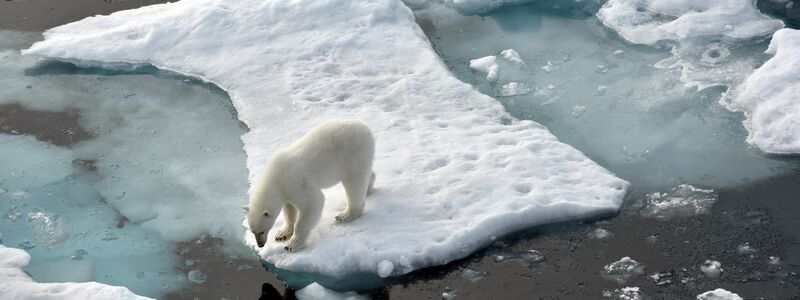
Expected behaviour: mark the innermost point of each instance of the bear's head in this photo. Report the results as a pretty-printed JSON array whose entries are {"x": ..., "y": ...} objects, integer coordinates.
[{"x": 260, "y": 221}]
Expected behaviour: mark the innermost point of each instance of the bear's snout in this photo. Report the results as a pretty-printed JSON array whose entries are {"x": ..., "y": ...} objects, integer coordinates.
[{"x": 260, "y": 240}]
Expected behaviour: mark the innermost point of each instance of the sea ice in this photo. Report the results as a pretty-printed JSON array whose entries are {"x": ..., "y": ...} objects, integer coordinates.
[
  {"x": 600, "y": 233},
  {"x": 16, "y": 284},
  {"x": 719, "y": 294},
  {"x": 623, "y": 269},
  {"x": 472, "y": 275},
  {"x": 469, "y": 176},
  {"x": 626, "y": 293},
  {"x": 315, "y": 291},
  {"x": 683, "y": 200},
  {"x": 511, "y": 56},
  {"x": 488, "y": 65},
  {"x": 698, "y": 32},
  {"x": 768, "y": 97},
  {"x": 711, "y": 268}
]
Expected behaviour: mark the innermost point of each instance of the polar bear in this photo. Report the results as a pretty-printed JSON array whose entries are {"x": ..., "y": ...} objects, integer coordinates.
[{"x": 334, "y": 151}]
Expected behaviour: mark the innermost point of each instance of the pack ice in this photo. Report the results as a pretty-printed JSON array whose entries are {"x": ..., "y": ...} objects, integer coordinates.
[
  {"x": 15, "y": 284},
  {"x": 454, "y": 170}
]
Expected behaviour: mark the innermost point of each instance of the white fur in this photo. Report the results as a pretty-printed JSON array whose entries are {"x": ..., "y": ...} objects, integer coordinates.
[{"x": 334, "y": 151}]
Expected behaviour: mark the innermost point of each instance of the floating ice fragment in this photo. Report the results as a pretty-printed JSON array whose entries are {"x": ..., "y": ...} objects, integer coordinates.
[
  {"x": 315, "y": 291},
  {"x": 530, "y": 258},
  {"x": 663, "y": 278},
  {"x": 623, "y": 269},
  {"x": 449, "y": 293},
  {"x": 774, "y": 260},
  {"x": 549, "y": 67},
  {"x": 19, "y": 194},
  {"x": 711, "y": 268},
  {"x": 27, "y": 245},
  {"x": 511, "y": 56},
  {"x": 197, "y": 276},
  {"x": 578, "y": 110},
  {"x": 745, "y": 249},
  {"x": 601, "y": 89},
  {"x": 514, "y": 89},
  {"x": 600, "y": 233},
  {"x": 602, "y": 68},
  {"x": 472, "y": 275},
  {"x": 488, "y": 65},
  {"x": 619, "y": 52},
  {"x": 626, "y": 293},
  {"x": 719, "y": 294},
  {"x": 385, "y": 268},
  {"x": 12, "y": 214},
  {"x": 683, "y": 200}
]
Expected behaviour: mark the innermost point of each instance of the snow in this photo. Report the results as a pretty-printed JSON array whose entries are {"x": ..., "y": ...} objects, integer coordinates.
[
  {"x": 719, "y": 294},
  {"x": 768, "y": 97},
  {"x": 16, "y": 284},
  {"x": 652, "y": 21},
  {"x": 701, "y": 34},
  {"x": 453, "y": 168},
  {"x": 486, "y": 64},
  {"x": 314, "y": 291}
]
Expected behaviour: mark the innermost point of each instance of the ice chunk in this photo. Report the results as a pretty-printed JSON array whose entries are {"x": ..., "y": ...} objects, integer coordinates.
[
  {"x": 15, "y": 284},
  {"x": 719, "y": 294},
  {"x": 385, "y": 268},
  {"x": 472, "y": 275},
  {"x": 488, "y": 65},
  {"x": 600, "y": 233},
  {"x": 314, "y": 291},
  {"x": 626, "y": 293},
  {"x": 404, "y": 93},
  {"x": 745, "y": 249},
  {"x": 774, "y": 260},
  {"x": 663, "y": 278},
  {"x": 514, "y": 89},
  {"x": 511, "y": 56},
  {"x": 623, "y": 269},
  {"x": 197, "y": 276},
  {"x": 711, "y": 268},
  {"x": 449, "y": 294},
  {"x": 683, "y": 200},
  {"x": 530, "y": 258},
  {"x": 768, "y": 97}
]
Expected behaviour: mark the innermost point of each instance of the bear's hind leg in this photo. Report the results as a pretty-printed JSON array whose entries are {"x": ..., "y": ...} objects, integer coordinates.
[
  {"x": 356, "y": 188},
  {"x": 371, "y": 189},
  {"x": 308, "y": 215},
  {"x": 289, "y": 218}
]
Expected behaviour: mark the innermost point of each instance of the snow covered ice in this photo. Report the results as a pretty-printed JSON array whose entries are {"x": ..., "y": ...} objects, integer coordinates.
[
  {"x": 16, "y": 284},
  {"x": 719, "y": 294},
  {"x": 768, "y": 98},
  {"x": 468, "y": 154}
]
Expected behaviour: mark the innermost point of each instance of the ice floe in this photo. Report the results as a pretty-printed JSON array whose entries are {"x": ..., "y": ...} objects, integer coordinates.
[
  {"x": 488, "y": 65},
  {"x": 768, "y": 97},
  {"x": 719, "y": 294},
  {"x": 453, "y": 168},
  {"x": 626, "y": 293},
  {"x": 16, "y": 284}
]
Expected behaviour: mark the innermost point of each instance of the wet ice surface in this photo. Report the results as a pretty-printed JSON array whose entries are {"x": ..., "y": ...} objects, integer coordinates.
[
  {"x": 683, "y": 200},
  {"x": 91, "y": 209},
  {"x": 605, "y": 96},
  {"x": 623, "y": 269}
]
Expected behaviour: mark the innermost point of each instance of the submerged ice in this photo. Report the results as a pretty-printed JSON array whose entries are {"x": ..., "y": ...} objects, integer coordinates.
[
  {"x": 454, "y": 170},
  {"x": 621, "y": 104},
  {"x": 129, "y": 188}
]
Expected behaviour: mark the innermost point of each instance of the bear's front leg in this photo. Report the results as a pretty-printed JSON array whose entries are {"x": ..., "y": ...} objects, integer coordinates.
[
  {"x": 289, "y": 218},
  {"x": 308, "y": 215}
]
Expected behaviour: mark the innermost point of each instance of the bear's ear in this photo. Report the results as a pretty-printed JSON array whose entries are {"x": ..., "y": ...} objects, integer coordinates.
[
  {"x": 246, "y": 208},
  {"x": 266, "y": 213}
]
